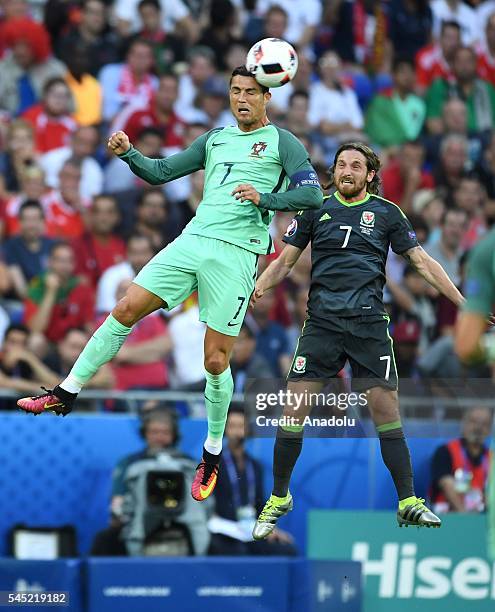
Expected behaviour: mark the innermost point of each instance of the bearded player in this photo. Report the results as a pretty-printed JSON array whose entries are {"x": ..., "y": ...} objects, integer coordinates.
[
  {"x": 350, "y": 237},
  {"x": 248, "y": 171}
]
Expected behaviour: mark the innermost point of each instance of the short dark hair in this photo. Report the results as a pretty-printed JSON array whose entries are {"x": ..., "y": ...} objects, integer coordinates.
[
  {"x": 299, "y": 93},
  {"x": 34, "y": 204},
  {"x": 137, "y": 236},
  {"x": 52, "y": 82},
  {"x": 452, "y": 211},
  {"x": 150, "y": 191},
  {"x": 60, "y": 244},
  {"x": 149, "y": 131},
  {"x": 154, "y": 3},
  {"x": 372, "y": 163},
  {"x": 276, "y": 8},
  {"x": 243, "y": 71},
  {"x": 105, "y": 196},
  {"x": 449, "y": 24},
  {"x": 401, "y": 61},
  {"x": 16, "y": 327}
]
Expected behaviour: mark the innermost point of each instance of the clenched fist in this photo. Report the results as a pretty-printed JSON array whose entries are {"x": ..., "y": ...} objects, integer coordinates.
[{"x": 119, "y": 143}]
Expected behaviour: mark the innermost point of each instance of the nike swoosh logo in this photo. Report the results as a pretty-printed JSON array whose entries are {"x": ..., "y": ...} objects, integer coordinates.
[
  {"x": 204, "y": 492},
  {"x": 217, "y": 144},
  {"x": 47, "y": 406},
  {"x": 233, "y": 324}
]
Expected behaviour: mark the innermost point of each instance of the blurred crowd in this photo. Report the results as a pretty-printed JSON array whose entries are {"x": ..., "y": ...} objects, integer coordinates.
[{"x": 413, "y": 78}]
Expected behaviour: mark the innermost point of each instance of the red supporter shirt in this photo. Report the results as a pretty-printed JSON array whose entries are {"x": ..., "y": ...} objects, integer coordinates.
[
  {"x": 431, "y": 65},
  {"x": 63, "y": 221},
  {"x": 49, "y": 133},
  {"x": 393, "y": 183},
  {"x": 93, "y": 256},
  {"x": 10, "y": 212},
  {"x": 145, "y": 375},
  {"x": 173, "y": 130},
  {"x": 76, "y": 309},
  {"x": 486, "y": 65}
]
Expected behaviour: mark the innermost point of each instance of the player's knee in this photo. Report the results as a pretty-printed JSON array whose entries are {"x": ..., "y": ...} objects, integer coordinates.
[
  {"x": 124, "y": 312},
  {"x": 216, "y": 361}
]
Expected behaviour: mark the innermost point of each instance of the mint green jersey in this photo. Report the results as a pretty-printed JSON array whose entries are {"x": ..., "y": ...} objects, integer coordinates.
[
  {"x": 480, "y": 277},
  {"x": 269, "y": 158}
]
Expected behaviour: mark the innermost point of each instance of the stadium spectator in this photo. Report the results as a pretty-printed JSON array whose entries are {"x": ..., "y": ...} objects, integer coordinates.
[
  {"x": 454, "y": 117},
  {"x": 219, "y": 34},
  {"x": 413, "y": 303},
  {"x": 201, "y": 66},
  {"x": 406, "y": 336},
  {"x": 32, "y": 187},
  {"x": 296, "y": 120},
  {"x": 24, "y": 72},
  {"x": 64, "y": 353},
  {"x": 85, "y": 89},
  {"x": 26, "y": 254},
  {"x": 360, "y": 33},
  {"x": 485, "y": 50},
  {"x": 93, "y": 33},
  {"x": 139, "y": 251},
  {"x": 459, "y": 469},
  {"x": 404, "y": 175},
  {"x": 159, "y": 114},
  {"x": 395, "y": 116},
  {"x": 275, "y": 22},
  {"x": 469, "y": 197},
  {"x": 152, "y": 217},
  {"x": 176, "y": 19},
  {"x": 271, "y": 338},
  {"x": 20, "y": 369},
  {"x": 451, "y": 165},
  {"x": 57, "y": 299},
  {"x": 51, "y": 118},
  {"x": 246, "y": 363},
  {"x": 279, "y": 102},
  {"x": 129, "y": 83},
  {"x": 299, "y": 313},
  {"x": 82, "y": 146},
  {"x": 161, "y": 434},
  {"x": 447, "y": 250},
  {"x": 19, "y": 152},
  {"x": 409, "y": 27},
  {"x": 435, "y": 61},
  {"x": 460, "y": 13},
  {"x": 212, "y": 102},
  {"x": 188, "y": 207},
  {"x": 304, "y": 17},
  {"x": 99, "y": 247},
  {"x": 118, "y": 176},
  {"x": 66, "y": 211},
  {"x": 239, "y": 498},
  {"x": 486, "y": 168},
  {"x": 333, "y": 107},
  {"x": 187, "y": 333},
  {"x": 141, "y": 363},
  {"x": 478, "y": 95},
  {"x": 168, "y": 48},
  {"x": 429, "y": 205}
]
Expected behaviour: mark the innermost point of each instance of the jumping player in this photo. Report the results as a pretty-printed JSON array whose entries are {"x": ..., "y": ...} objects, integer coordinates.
[
  {"x": 248, "y": 171},
  {"x": 350, "y": 238}
]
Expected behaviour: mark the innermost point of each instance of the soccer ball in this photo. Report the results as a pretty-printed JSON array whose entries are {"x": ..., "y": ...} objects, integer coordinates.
[{"x": 272, "y": 61}]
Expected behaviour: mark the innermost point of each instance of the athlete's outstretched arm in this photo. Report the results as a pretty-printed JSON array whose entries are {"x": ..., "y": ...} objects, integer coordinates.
[
  {"x": 434, "y": 274},
  {"x": 159, "y": 171},
  {"x": 276, "y": 271}
]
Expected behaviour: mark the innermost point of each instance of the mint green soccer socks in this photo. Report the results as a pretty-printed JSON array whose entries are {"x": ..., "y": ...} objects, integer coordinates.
[
  {"x": 103, "y": 345},
  {"x": 218, "y": 393}
]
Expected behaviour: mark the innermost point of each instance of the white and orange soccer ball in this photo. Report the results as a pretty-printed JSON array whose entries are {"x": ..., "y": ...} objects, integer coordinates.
[{"x": 272, "y": 61}]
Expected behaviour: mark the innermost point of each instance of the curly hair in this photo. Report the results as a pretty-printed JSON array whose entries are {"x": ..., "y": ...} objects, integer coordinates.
[{"x": 372, "y": 164}]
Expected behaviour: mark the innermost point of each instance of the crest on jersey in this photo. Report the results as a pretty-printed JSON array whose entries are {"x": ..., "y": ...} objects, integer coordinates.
[
  {"x": 291, "y": 229},
  {"x": 258, "y": 148},
  {"x": 368, "y": 218},
  {"x": 299, "y": 364}
]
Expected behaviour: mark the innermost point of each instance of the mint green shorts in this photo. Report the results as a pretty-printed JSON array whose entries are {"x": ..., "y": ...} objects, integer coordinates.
[{"x": 222, "y": 273}]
